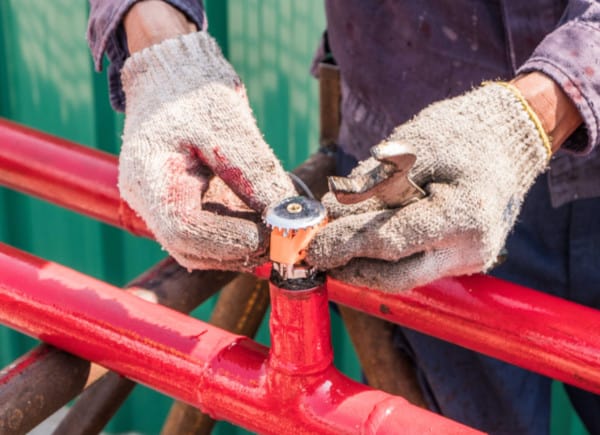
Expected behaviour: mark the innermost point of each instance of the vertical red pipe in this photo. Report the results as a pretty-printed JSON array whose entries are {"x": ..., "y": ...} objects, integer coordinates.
[{"x": 300, "y": 330}]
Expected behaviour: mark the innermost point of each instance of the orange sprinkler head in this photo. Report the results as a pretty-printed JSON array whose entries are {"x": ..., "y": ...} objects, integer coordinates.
[{"x": 294, "y": 222}]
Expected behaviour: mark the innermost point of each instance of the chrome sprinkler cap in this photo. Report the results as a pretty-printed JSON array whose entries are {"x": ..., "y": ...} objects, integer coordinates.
[{"x": 295, "y": 213}]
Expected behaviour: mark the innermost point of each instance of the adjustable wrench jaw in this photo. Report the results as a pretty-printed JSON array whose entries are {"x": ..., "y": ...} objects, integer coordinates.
[{"x": 389, "y": 181}]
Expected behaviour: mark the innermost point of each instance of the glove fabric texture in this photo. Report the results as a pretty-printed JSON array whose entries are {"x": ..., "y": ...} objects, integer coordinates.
[
  {"x": 193, "y": 163},
  {"x": 477, "y": 156}
]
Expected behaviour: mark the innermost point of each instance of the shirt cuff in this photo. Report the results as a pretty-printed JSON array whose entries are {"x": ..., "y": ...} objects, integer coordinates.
[{"x": 569, "y": 56}]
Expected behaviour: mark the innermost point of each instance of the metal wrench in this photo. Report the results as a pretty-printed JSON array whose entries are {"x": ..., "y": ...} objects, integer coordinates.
[{"x": 389, "y": 181}]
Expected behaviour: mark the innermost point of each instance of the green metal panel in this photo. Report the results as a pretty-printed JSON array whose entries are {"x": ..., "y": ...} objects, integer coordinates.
[{"x": 47, "y": 82}]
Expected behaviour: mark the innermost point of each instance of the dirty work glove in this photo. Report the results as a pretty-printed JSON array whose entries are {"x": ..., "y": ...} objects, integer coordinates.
[
  {"x": 477, "y": 156},
  {"x": 187, "y": 120}
]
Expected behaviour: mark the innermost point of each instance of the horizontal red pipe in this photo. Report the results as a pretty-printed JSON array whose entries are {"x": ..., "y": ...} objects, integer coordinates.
[
  {"x": 226, "y": 375},
  {"x": 524, "y": 327},
  {"x": 521, "y": 326},
  {"x": 65, "y": 173}
]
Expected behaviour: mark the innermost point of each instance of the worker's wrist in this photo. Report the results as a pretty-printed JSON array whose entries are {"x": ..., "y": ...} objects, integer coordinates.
[
  {"x": 150, "y": 22},
  {"x": 557, "y": 113}
]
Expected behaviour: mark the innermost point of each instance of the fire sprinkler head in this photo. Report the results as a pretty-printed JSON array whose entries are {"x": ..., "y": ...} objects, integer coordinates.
[{"x": 293, "y": 222}]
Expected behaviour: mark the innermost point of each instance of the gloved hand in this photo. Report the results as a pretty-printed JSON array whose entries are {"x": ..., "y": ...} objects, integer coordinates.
[
  {"x": 187, "y": 121},
  {"x": 477, "y": 156}
]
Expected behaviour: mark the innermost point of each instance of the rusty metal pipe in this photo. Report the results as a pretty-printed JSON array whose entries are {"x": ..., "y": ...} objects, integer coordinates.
[
  {"x": 96, "y": 406},
  {"x": 31, "y": 387}
]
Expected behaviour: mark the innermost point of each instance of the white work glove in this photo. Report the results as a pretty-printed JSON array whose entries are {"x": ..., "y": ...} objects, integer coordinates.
[
  {"x": 477, "y": 156},
  {"x": 187, "y": 121}
]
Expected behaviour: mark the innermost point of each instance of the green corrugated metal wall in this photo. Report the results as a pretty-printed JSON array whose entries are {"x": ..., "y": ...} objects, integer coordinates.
[{"x": 47, "y": 82}]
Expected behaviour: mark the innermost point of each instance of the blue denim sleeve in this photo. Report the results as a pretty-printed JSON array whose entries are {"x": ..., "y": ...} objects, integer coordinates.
[
  {"x": 106, "y": 35},
  {"x": 571, "y": 56}
]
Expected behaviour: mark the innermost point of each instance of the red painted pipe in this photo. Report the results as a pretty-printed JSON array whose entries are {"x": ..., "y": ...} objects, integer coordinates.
[
  {"x": 226, "y": 375},
  {"x": 523, "y": 327},
  {"x": 65, "y": 173},
  {"x": 305, "y": 311}
]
